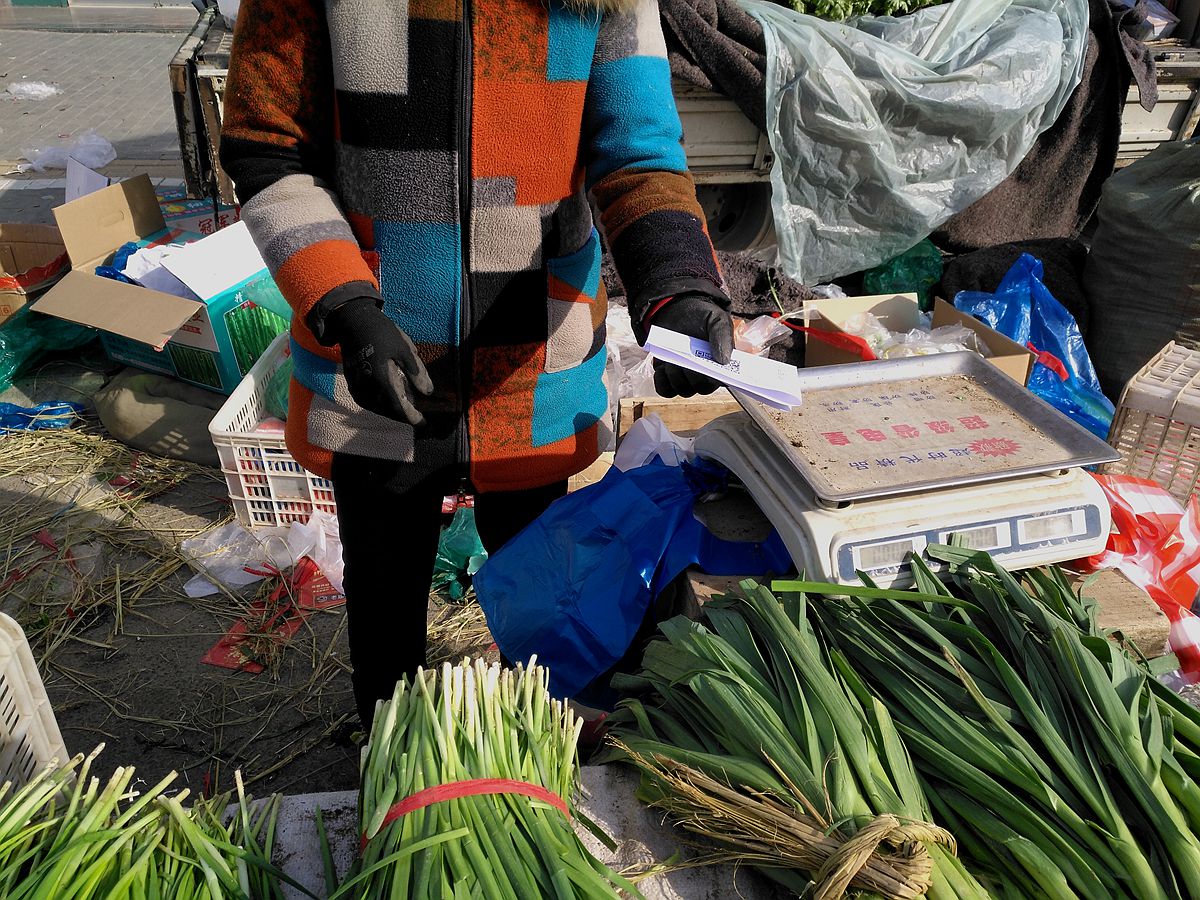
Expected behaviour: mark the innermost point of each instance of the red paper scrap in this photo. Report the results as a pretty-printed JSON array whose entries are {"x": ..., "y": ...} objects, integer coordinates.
[{"x": 297, "y": 595}]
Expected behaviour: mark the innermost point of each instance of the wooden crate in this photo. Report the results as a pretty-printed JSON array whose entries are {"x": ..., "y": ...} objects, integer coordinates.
[{"x": 683, "y": 417}]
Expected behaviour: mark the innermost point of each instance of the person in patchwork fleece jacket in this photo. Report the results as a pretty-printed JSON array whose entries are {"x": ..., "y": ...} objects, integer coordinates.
[{"x": 417, "y": 177}]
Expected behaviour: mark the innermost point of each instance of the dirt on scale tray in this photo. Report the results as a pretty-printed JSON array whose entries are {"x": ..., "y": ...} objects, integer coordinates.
[{"x": 862, "y": 437}]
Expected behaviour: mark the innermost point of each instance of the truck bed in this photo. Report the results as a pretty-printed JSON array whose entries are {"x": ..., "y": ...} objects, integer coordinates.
[{"x": 729, "y": 157}]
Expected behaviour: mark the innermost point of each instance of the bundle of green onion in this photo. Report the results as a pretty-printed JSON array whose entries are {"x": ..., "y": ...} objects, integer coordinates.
[
  {"x": 748, "y": 736},
  {"x": 63, "y": 836},
  {"x": 1063, "y": 767},
  {"x": 474, "y": 722}
]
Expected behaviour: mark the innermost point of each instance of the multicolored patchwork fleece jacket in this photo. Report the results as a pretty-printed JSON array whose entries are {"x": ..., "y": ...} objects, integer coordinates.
[{"x": 437, "y": 155}]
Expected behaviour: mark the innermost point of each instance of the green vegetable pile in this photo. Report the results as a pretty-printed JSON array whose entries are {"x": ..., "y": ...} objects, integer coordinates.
[
  {"x": 751, "y": 738},
  {"x": 993, "y": 708},
  {"x": 1062, "y": 766},
  {"x": 840, "y": 10},
  {"x": 63, "y": 836},
  {"x": 470, "y": 722}
]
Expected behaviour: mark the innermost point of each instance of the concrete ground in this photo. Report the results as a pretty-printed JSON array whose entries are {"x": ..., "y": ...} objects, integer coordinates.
[
  {"x": 111, "y": 69},
  {"x": 115, "y": 84}
]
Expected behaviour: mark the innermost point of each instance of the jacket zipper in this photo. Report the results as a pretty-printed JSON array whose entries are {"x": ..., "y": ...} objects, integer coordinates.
[{"x": 464, "y": 211}]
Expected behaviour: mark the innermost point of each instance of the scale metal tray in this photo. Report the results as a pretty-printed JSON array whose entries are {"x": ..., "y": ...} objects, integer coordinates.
[{"x": 903, "y": 426}]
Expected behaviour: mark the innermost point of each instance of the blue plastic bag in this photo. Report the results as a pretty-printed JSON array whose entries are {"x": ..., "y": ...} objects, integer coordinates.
[
  {"x": 1024, "y": 310},
  {"x": 574, "y": 587},
  {"x": 55, "y": 414}
]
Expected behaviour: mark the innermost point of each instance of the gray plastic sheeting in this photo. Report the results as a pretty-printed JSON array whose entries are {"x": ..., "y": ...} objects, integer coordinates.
[{"x": 884, "y": 128}]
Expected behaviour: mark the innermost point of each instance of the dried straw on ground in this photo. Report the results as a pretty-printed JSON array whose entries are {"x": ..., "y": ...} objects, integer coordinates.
[{"x": 89, "y": 560}]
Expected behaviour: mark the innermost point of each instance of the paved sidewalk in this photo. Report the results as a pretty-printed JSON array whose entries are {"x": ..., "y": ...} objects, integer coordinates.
[
  {"x": 171, "y": 16},
  {"x": 32, "y": 201},
  {"x": 114, "y": 82}
]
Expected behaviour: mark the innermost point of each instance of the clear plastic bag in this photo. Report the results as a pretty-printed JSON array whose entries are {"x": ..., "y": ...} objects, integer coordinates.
[
  {"x": 229, "y": 11},
  {"x": 888, "y": 344},
  {"x": 263, "y": 291},
  {"x": 946, "y": 339},
  {"x": 884, "y": 128},
  {"x": 756, "y": 335},
  {"x": 634, "y": 364},
  {"x": 89, "y": 148},
  {"x": 32, "y": 90},
  {"x": 868, "y": 327},
  {"x": 649, "y": 439},
  {"x": 234, "y": 556}
]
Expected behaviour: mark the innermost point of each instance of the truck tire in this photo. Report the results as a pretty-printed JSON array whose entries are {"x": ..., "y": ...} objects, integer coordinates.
[{"x": 739, "y": 215}]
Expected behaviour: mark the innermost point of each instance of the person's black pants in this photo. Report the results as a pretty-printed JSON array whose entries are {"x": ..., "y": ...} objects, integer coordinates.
[{"x": 389, "y": 543}]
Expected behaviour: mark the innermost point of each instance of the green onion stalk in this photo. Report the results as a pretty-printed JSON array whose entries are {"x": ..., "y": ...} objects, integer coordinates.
[
  {"x": 66, "y": 836},
  {"x": 746, "y": 732},
  {"x": 1064, "y": 768},
  {"x": 452, "y": 727}
]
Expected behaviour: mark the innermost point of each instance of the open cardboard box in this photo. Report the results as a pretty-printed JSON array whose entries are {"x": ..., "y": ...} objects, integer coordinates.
[
  {"x": 179, "y": 211},
  {"x": 32, "y": 258},
  {"x": 900, "y": 312},
  {"x": 188, "y": 339}
]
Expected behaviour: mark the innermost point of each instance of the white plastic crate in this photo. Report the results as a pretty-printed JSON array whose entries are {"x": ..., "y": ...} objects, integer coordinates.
[
  {"x": 29, "y": 735},
  {"x": 267, "y": 486},
  {"x": 1157, "y": 425}
]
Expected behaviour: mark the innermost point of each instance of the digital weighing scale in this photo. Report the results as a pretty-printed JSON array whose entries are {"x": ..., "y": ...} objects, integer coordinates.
[{"x": 885, "y": 458}]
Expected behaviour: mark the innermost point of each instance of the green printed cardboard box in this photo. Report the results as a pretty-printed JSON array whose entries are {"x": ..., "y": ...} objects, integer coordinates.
[{"x": 211, "y": 341}]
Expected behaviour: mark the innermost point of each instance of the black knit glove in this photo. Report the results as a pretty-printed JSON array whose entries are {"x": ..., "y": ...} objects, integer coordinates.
[
  {"x": 699, "y": 316},
  {"x": 380, "y": 361}
]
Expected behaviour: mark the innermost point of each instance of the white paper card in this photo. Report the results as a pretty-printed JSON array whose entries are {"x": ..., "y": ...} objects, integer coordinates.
[
  {"x": 161, "y": 280},
  {"x": 82, "y": 181},
  {"x": 773, "y": 383},
  {"x": 217, "y": 263}
]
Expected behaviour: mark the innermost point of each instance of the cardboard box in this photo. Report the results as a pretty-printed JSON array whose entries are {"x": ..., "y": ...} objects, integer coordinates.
[
  {"x": 591, "y": 474},
  {"x": 899, "y": 312},
  {"x": 179, "y": 211},
  {"x": 32, "y": 258},
  {"x": 190, "y": 340},
  {"x": 200, "y": 216}
]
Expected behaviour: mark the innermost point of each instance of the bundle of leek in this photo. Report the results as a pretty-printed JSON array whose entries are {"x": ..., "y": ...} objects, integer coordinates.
[
  {"x": 1063, "y": 767},
  {"x": 748, "y": 736},
  {"x": 64, "y": 837},
  {"x": 467, "y": 785}
]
